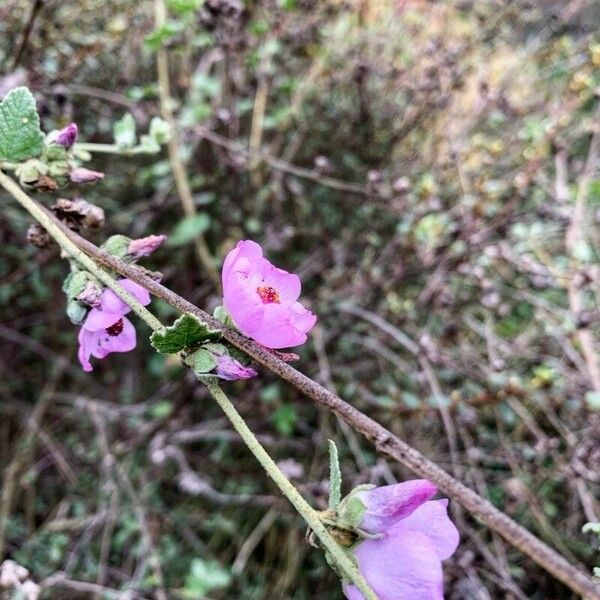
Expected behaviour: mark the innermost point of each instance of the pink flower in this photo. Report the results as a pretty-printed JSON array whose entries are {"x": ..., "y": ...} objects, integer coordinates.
[
  {"x": 106, "y": 329},
  {"x": 66, "y": 137},
  {"x": 230, "y": 369},
  {"x": 263, "y": 300},
  {"x": 145, "y": 246},
  {"x": 417, "y": 535},
  {"x": 83, "y": 175},
  {"x": 388, "y": 504}
]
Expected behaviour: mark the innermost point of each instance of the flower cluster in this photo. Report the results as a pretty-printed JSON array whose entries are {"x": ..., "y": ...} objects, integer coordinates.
[
  {"x": 406, "y": 536},
  {"x": 261, "y": 299}
]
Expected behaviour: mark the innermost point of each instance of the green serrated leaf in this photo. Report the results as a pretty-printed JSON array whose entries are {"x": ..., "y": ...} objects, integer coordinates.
[
  {"x": 335, "y": 476},
  {"x": 124, "y": 131},
  {"x": 202, "y": 361},
  {"x": 188, "y": 331},
  {"x": 20, "y": 133}
]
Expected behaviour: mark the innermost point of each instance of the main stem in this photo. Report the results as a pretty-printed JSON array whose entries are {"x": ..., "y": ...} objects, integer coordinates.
[{"x": 290, "y": 492}]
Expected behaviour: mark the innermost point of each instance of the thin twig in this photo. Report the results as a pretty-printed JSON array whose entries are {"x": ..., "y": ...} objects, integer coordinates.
[
  {"x": 182, "y": 183},
  {"x": 35, "y": 10}
]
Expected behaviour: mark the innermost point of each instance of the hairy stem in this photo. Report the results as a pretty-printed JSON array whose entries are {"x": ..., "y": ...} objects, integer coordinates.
[
  {"x": 109, "y": 149},
  {"x": 310, "y": 515}
]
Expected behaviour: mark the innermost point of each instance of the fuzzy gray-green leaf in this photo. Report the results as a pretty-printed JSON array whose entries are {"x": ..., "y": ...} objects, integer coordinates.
[
  {"x": 188, "y": 331},
  {"x": 335, "y": 477},
  {"x": 20, "y": 133}
]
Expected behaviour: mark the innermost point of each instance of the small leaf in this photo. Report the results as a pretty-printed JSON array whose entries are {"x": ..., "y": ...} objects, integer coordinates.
[
  {"x": 335, "y": 476},
  {"x": 204, "y": 577},
  {"x": 202, "y": 361},
  {"x": 188, "y": 331},
  {"x": 182, "y": 7},
  {"x": 220, "y": 313},
  {"x": 20, "y": 133},
  {"x": 188, "y": 229},
  {"x": 592, "y": 399},
  {"x": 157, "y": 38},
  {"x": 160, "y": 131},
  {"x": 284, "y": 419},
  {"x": 124, "y": 131}
]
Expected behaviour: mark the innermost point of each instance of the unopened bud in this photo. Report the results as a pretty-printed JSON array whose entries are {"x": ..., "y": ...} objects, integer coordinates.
[
  {"x": 83, "y": 175},
  {"x": 67, "y": 136},
  {"x": 145, "y": 246}
]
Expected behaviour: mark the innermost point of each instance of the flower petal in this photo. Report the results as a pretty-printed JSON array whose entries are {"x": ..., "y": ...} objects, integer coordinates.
[
  {"x": 302, "y": 318},
  {"x": 388, "y": 504},
  {"x": 431, "y": 518},
  {"x": 404, "y": 566},
  {"x": 98, "y": 320},
  {"x": 278, "y": 329},
  {"x": 244, "y": 249},
  {"x": 124, "y": 342},
  {"x": 86, "y": 341},
  {"x": 110, "y": 302},
  {"x": 243, "y": 304},
  {"x": 140, "y": 293},
  {"x": 286, "y": 284}
]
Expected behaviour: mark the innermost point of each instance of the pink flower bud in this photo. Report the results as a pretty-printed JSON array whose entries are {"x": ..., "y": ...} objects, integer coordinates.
[
  {"x": 230, "y": 369},
  {"x": 66, "y": 137},
  {"x": 263, "y": 300},
  {"x": 145, "y": 246},
  {"x": 83, "y": 175}
]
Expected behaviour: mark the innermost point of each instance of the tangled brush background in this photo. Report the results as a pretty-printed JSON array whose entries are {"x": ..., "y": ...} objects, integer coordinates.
[{"x": 429, "y": 169}]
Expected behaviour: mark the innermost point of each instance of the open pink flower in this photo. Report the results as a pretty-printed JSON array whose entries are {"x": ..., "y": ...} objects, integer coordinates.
[
  {"x": 417, "y": 535},
  {"x": 106, "y": 329},
  {"x": 263, "y": 300}
]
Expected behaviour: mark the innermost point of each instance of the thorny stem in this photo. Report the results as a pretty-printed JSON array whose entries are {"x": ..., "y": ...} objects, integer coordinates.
[
  {"x": 310, "y": 515},
  {"x": 384, "y": 440}
]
